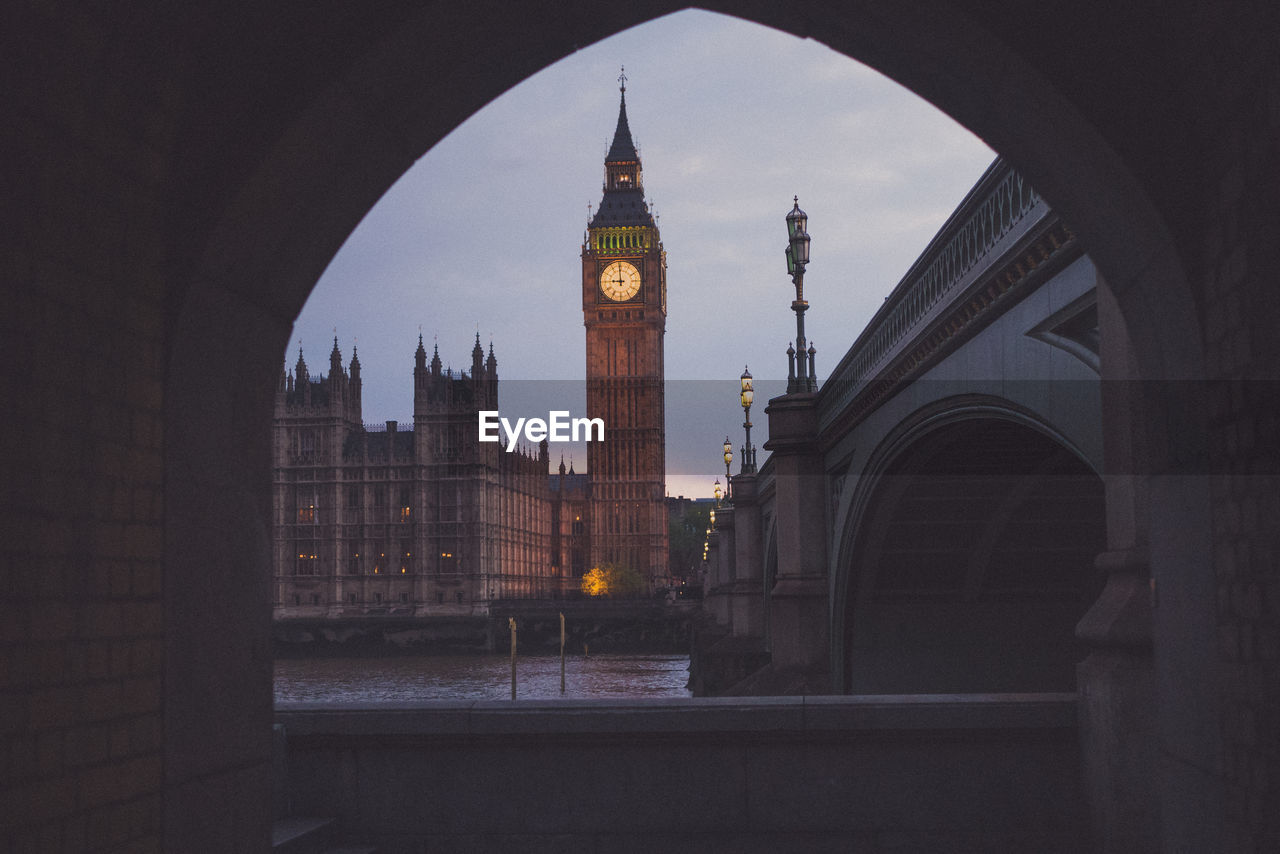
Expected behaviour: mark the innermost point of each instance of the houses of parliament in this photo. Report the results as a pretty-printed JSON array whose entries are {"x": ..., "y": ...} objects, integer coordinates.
[{"x": 422, "y": 518}]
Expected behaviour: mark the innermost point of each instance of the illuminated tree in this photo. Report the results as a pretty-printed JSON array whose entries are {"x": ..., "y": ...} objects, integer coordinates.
[
  {"x": 594, "y": 582},
  {"x": 610, "y": 580}
]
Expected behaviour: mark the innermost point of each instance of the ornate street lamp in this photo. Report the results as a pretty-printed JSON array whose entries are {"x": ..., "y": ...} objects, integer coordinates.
[
  {"x": 745, "y": 397},
  {"x": 718, "y": 492},
  {"x": 728, "y": 458},
  {"x": 798, "y": 378}
]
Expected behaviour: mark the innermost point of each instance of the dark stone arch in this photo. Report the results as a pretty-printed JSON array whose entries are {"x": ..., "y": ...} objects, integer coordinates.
[
  {"x": 968, "y": 558},
  {"x": 931, "y": 417},
  {"x": 264, "y": 202}
]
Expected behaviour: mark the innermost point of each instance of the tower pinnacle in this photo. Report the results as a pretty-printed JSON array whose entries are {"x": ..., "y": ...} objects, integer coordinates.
[
  {"x": 622, "y": 149},
  {"x": 623, "y": 202}
]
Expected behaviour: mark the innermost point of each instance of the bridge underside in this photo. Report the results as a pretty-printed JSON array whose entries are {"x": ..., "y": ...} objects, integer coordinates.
[{"x": 976, "y": 565}]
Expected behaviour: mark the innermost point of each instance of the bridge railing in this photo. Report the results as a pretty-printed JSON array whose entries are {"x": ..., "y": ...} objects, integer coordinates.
[{"x": 1000, "y": 208}]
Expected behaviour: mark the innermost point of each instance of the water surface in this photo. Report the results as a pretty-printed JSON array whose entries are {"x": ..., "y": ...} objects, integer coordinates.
[{"x": 479, "y": 677}]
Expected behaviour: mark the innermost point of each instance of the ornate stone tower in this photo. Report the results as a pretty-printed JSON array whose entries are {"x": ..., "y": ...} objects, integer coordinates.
[{"x": 624, "y": 307}]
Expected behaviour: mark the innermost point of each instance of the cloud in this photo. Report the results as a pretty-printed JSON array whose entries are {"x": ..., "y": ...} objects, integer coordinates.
[{"x": 487, "y": 226}]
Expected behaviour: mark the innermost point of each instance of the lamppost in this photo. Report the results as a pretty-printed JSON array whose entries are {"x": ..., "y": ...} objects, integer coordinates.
[
  {"x": 746, "y": 396},
  {"x": 798, "y": 378},
  {"x": 718, "y": 492}
]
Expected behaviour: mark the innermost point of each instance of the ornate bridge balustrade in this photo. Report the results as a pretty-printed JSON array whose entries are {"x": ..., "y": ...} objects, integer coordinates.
[{"x": 988, "y": 251}]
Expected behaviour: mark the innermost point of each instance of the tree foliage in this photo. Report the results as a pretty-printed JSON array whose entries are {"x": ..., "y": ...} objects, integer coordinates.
[
  {"x": 685, "y": 535},
  {"x": 610, "y": 580}
]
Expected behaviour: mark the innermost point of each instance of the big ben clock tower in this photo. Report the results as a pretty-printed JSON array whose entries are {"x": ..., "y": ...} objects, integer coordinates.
[{"x": 624, "y": 308}]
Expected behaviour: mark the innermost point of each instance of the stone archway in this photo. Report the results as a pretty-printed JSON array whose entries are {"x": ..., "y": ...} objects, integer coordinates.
[
  {"x": 972, "y": 563},
  {"x": 269, "y": 222}
]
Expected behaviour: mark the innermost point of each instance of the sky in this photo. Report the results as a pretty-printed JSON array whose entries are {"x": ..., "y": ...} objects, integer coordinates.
[{"x": 732, "y": 120}]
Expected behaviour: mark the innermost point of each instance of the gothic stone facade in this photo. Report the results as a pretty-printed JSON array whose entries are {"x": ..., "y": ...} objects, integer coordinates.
[
  {"x": 426, "y": 520},
  {"x": 400, "y": 520}
]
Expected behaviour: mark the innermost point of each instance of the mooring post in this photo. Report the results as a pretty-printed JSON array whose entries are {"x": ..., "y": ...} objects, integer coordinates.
[{"x": 511, "y": 621}]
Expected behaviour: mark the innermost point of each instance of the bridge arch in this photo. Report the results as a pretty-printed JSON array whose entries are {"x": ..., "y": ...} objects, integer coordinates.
[
  {"x": 968, "y": 555},
  {"x": 262, "y": 199}
]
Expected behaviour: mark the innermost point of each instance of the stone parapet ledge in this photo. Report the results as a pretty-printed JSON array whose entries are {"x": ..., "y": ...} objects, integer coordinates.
[
  {"x": 793, "y": 423},
  {"x": 1121, "y": 616},
  {"x": 962, "y": 716}
]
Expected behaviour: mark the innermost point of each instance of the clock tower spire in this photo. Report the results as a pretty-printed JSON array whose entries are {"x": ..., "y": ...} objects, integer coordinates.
[{"x": 624, "y": 307}]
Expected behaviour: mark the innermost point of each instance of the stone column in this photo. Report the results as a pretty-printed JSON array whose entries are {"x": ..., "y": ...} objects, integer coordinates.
[
  {"x": 748, "y": 565},
  {"x": 724, "y": 534},
  {"x": 1116, "y": 683},
  {"x": 716, "y": 599},
  {"x": 798, "y": 610}
]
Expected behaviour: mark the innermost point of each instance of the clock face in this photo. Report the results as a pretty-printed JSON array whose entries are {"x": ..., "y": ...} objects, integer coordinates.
[{"x": 620, "y": 281}]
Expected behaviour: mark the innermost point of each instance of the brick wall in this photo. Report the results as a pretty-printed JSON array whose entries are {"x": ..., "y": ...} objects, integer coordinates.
[
  {"x": 1242, "y": 301},
  {"x": 81, "y": 341}
]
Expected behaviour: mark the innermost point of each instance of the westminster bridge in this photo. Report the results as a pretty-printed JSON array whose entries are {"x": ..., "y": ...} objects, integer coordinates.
[{"x": 930, "y": 516}]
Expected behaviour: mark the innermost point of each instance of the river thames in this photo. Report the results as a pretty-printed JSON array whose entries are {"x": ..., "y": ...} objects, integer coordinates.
[{"x": 478, "y": 677}]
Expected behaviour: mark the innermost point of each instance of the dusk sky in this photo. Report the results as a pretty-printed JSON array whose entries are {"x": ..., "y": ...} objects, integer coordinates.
[{"x": 732, "y": 120}]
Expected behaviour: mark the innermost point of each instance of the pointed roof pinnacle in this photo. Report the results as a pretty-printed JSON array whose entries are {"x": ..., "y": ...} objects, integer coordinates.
[{"x": 622, "y": 148}]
